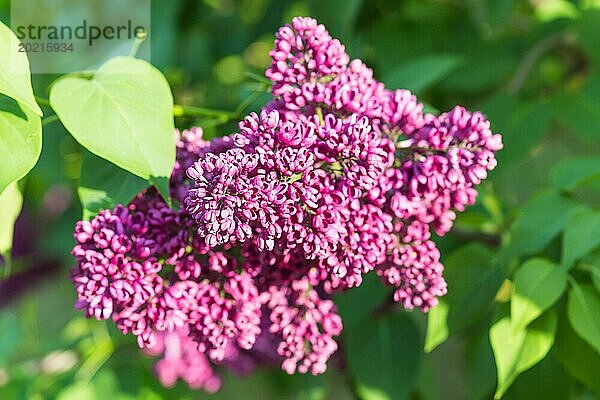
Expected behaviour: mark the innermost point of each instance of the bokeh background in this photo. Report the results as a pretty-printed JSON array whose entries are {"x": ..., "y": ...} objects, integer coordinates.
[{"x": 531, "y": 65}]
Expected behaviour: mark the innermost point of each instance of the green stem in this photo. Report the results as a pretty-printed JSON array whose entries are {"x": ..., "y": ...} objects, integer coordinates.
[
  {"x": 190, "y": 111},
  {"x": 135, "y": 48},
  {"x": 246, "y": 103},
  {"x": 7, "y": 265},
  {"x": 259, "y": 78},
  {"x": 43, "y": 101},
  {"x": 320, "y": 114},
  {"x": 50, "y": 119}
]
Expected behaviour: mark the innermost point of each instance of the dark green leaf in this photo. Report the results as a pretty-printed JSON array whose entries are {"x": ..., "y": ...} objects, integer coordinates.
[
  {"x": 527, "y": 125},
  {"x": 582, "y": 362},
  {"x": 472, "y": 286},
  {"x": 104, "y": 185},
  {"x": 547, "y": 380},
  {"x": 540, "y": 221},
  {"x": 583, "y": 310},
  {"x": 517, "y": 350},
  {"x": 482, "y": 369},
  {"x": 580, "y": 113},
  {"x": 581, "y": 236},
  {"x": 587, "y": 29},
  {"x": 419, "y": 74},
  {"x": 357, "y": 305},
  {"x": 569, "y": 173},
  {"x": 594, "y": 270},
  {"x": 339, "y": 16},
  {"x": 393, "y": 341}
]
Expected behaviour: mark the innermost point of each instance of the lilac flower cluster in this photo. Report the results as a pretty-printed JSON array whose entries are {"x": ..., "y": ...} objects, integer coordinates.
[{"x": 335, "y": 178}]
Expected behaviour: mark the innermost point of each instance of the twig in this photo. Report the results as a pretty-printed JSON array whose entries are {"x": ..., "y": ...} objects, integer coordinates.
[
  {"x": 42, "y": 101},
  {"x": 533, "y": 56},
  {"x": 185, "y": 111}
]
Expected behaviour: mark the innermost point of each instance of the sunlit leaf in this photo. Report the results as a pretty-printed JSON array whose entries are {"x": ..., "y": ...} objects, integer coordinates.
[
  {"x": 123, "y": 113},
  {"x": 11, "y": 201},
  {"x": 538, "y": 284},
  {"x": 579, "y": 358},
  {"x": 15, "y": 77},
  {"x": 517, "y": 350},
  {"x": 20, "y": 140}
]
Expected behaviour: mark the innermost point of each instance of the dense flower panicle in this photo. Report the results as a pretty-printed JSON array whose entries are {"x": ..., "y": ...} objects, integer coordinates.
[
  {"x": 304, "y": 53},
  {"x": 181, "y": 359},
  {"x": 452, "y": 153},
  {"x": 416, "y": 273},
  {"x": 336, "y": 177},
  {"x": 306, "y": 324}
]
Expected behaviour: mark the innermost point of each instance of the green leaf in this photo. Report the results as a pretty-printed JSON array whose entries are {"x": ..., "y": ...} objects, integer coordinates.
[
  {"x": 527, "y": 125},
  {"x": 78, "y": 390},
  {"x": 547, "y": 380},
  {"x": 481, "y": 366},
  {"x": 472, "y": 286},
  {"x": 394, "y": 342},
  {"x": 587, "y": 30},
  {"x": 582, "y": 362},
  {"x": 15, "y": 78},
  {"x": 540, "y": 221},
  {"x": 517, "y": 350},
  {"x": 583, "y": 309},
  {"x": 419, "y": 74},
  {"x": 104, "y": 185},
  {"x": 538, "y": 284},
  {"x": 549, "y": 10},
  {"x": 595, "y": 273},
  {"x": 581, "y": 236},
  {"x": 339, "y": 16},
  {"x": 357, "y": 305},
  {"x": 580, "y": 113},
  {"x": 11, "y": 201},
  {"x": 124, "y": 114},
  {"x": 569, "y": 173},
  {"x": 20, "y": 140}
]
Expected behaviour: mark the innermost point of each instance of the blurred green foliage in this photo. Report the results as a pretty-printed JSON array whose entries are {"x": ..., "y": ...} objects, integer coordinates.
[{"x": 527, "y": 251}]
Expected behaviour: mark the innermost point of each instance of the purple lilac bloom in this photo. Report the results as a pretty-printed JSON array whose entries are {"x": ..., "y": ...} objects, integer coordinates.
[
  {"x": 335, "y": 178},
  {"x": 306, "y": 324},
  {"x": 182, "y": 359}
]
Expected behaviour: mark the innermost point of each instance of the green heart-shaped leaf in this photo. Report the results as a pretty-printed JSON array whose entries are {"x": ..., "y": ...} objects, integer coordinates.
[
  {"x": 20, "y": 140},
  {"x": 124, "y": 114},
  {"x": 15, "y": 78}
]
